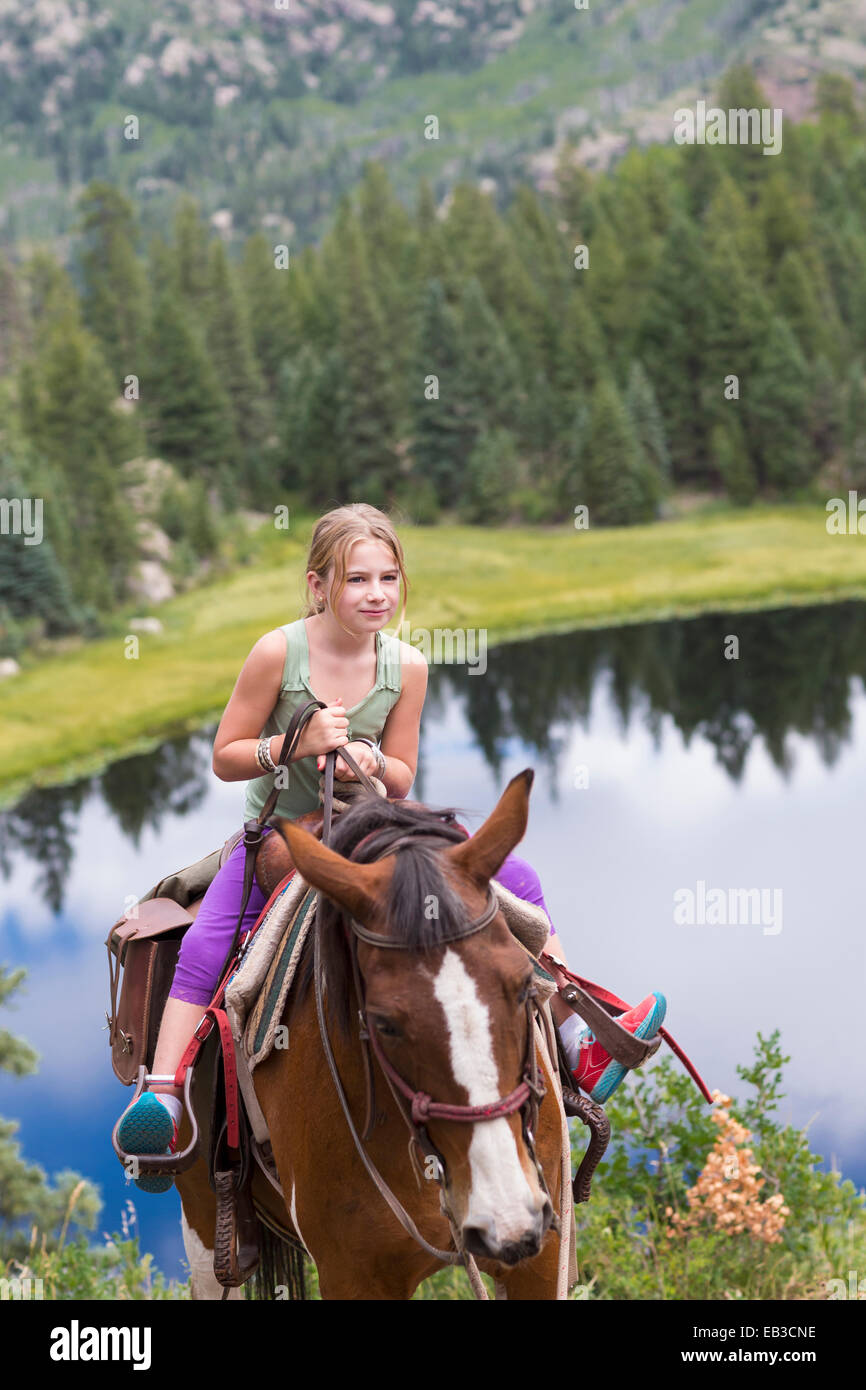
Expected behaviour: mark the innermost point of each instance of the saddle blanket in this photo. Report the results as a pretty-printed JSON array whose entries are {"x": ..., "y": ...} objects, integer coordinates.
[{"x": 257, "y": 992}]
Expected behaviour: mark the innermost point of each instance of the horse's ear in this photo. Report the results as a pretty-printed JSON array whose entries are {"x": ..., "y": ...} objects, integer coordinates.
[
  {"x": 357, "y": 887},
  {"x": 484, "y": 853}
]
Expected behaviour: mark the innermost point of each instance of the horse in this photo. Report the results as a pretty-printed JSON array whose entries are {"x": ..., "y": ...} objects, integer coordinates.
[{"x": 446, "y": 999}]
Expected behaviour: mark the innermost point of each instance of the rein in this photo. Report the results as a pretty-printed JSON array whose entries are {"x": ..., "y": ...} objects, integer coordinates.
[{"x": 416, "y": 1107}]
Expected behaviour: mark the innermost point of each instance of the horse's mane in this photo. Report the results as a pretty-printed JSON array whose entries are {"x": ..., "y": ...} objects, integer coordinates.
[{"x": 417, "y": 879}]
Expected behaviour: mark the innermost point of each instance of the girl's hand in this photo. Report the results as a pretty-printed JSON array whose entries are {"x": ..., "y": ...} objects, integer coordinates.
[
  {"x": 364, "y": 757},
  {"x": 328, "y": 728}
]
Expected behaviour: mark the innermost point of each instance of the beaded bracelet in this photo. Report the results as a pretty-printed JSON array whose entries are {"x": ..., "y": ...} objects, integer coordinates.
[
  {"x": 263, "y": 756},
  {"x": 380, "y": 756}
]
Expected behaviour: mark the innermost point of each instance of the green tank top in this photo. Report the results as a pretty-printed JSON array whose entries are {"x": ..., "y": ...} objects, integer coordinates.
[{"x": 366, "y": 720}]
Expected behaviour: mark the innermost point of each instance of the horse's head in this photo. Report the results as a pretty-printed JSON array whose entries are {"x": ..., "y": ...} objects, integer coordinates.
[{"x": 448, "y": 1010}]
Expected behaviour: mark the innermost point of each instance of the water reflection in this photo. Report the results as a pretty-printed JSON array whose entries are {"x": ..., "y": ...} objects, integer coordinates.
[{"x": 792, "y": 675}]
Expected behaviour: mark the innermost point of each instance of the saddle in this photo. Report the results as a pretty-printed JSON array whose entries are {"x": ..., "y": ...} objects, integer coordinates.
[{"x": 225, "y": 1119}]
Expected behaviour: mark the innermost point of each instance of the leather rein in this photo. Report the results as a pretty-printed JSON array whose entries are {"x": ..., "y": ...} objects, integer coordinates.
[{"x": 417, "y": 1107}]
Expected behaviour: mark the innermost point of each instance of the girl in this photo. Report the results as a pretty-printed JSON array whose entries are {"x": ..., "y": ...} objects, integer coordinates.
[{"x": 374, "y": 687}]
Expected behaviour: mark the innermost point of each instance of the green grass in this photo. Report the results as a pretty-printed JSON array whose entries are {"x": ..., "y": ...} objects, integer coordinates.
[{"x": 70, "y": 714}]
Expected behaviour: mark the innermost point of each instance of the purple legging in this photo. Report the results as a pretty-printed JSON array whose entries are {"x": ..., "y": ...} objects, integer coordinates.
[{"x": 206, "y": 944}]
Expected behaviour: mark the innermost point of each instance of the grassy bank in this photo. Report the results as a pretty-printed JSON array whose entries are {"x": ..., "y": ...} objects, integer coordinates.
[{"x": 72, "y": 712}]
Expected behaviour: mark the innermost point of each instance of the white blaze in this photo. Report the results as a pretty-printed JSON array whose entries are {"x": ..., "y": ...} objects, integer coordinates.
[{"x": 501, "y": 1202}]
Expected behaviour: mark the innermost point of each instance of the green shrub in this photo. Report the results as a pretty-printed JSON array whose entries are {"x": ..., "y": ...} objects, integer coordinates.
[{"x": 663, "y": 1133}]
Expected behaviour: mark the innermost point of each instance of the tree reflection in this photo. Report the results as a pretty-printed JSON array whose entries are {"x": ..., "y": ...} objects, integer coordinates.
[{"x": 793, "y": 675}]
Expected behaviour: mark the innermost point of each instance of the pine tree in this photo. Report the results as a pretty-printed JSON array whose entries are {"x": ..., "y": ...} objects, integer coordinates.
[
  {"x": 70, "y": 417},
  {"x": 32, "y": 580},
  {"x": 576, "y": 194},
  {"x": 843, "y": 255},
  {"x": 269, "y": 307},
  {"x": 228, "y": 341},
  {"x": 476, "y": 243},
  {"x": 489, "y": 380},
  {"x": 442, "y": 432},
  {"x": 730, "y": 223},
  {"x": 803, "y": 297},
  {"x": 738, "y": 326},
  {"x": 14, "y": 327},
  {"x": 491, "y": 476},
  {"x": 646, "y": 420},
  {"x": 583, "y": 355},
  {"x": 368, "y": 419},
  {"x": 606, "y": 278},
  {"x": 163, "y": 276},
  {"x": 619, "y": 488},
  {"x": 825, "y": 410},
  {"x": 777, "y": 405},
  {"x": 540, "y": 244},
  {"x": 783, "y": 212},
  {"x": 387, "y": 231},
  {"x": 854, "y": 426},
  {"x": 188, "y": 415},
  {"x": 730, "y": 457},
  {"x": 48, "y": 291},
  {"x": 309, "y": 429},
  {"x": 191, "y": 245},
  {"x": 672, "y": 343},
  {"x": 836, "y": 95},
  {"x": 431, "y": 259},
  {"x": 113, "y": 301},
  {"x": 739, "y": 89}
]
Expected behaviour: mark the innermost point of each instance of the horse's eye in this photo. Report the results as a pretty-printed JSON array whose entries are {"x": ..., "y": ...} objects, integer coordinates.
[{"x": 385, "y": 1027}]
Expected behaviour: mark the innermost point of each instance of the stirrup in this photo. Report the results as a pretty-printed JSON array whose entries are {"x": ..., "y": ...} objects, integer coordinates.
[
  {"x": 623, "y": 1046},
  {"x": 159, "y": 1165}
]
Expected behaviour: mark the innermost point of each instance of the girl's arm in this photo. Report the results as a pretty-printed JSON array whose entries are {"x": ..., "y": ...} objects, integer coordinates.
[
  {"x": 256, "y": 691},
  {"x": 400, "y": 735}
]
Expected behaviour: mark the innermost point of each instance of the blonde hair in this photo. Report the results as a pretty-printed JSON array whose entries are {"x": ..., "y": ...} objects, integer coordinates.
[{"x": 333, "y": 536}]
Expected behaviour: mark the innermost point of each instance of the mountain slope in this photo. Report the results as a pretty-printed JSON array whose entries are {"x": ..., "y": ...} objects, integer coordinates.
[{"x": 266, "y": 109}]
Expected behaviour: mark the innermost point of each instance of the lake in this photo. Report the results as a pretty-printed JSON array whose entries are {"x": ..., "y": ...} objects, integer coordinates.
[{"x": 695, "y": 822}]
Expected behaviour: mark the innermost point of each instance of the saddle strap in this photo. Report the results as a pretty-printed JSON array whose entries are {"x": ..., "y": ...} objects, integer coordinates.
[
  {"x": 561, "y": 973},
  {"x": 253, "y": 828},
  {"x": 210, "y": 1016}
]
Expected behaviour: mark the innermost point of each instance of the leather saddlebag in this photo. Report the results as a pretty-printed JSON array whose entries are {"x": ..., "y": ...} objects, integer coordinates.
[{"x": 143, "y": 946}]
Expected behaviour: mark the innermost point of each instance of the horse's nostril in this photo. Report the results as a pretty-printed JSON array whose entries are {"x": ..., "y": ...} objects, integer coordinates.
[
  {"x": 477, "y": 1242},
  {"x": 519, "y": 1250},
  {"x": 474, "y": 1241}
]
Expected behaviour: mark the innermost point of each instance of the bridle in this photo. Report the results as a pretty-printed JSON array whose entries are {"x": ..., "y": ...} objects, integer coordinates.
[{"x": 417, "y": 1107}]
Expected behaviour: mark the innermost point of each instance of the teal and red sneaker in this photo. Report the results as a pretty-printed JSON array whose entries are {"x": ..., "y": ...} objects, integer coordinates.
[
  {"x": 597, "y": 1073},
  {"x": 148, "y": 1128}
]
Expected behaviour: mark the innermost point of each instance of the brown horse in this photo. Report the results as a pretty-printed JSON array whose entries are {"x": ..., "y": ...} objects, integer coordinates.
[{"x": 449, "y": 1015}]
